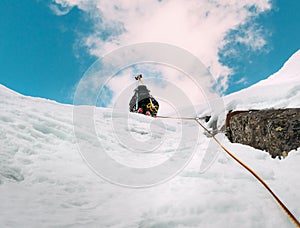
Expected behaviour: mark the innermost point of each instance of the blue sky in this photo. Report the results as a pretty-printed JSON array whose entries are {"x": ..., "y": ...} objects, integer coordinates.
[
  {"x": 39, "y": 55},
  {"x": 42, "y": 54},
  {"x": 282, "y": 31}
]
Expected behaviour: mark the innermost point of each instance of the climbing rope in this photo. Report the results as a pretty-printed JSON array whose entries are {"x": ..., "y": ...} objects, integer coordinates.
[{"x": 281, "y": 204}]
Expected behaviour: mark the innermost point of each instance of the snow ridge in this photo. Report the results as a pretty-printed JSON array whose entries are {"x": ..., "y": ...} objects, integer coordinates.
[{"x": 45, "y": 182}]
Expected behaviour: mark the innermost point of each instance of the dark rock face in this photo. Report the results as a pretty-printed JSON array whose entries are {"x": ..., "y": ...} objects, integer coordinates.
[{"x": 275, "y": 131}]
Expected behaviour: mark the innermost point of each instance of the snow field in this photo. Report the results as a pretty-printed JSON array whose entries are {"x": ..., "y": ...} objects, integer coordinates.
[{"x": 45, "y": 182}]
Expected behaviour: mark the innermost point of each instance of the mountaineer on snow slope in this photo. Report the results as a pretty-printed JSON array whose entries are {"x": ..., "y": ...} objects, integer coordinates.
[{"x": 142, "y": 102}]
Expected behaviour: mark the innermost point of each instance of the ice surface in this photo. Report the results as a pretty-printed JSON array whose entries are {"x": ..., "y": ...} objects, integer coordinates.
[{"x": 44, "y": 181}]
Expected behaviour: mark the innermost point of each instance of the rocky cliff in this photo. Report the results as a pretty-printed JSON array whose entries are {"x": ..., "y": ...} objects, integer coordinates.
[{"x": 275, "y": 131}]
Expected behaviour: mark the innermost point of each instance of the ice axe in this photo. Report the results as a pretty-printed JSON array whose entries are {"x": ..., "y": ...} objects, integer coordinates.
[{"x": 139, "y": 78}]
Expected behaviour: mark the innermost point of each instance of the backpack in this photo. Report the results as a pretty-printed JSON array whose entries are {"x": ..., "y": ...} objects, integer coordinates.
[{"x": 144, "y": 101}]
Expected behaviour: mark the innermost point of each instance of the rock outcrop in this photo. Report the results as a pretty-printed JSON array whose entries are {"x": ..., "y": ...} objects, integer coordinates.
[{"x": 275, "y": 131}]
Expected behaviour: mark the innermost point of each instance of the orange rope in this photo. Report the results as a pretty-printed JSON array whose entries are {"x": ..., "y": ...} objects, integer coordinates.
[{"x": 281, "y": 204}]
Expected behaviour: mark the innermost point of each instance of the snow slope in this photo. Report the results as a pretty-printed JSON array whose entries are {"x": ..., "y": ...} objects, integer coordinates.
[
  {"x": 44, "y": 181},
  {"x": 280, "y": 90}
]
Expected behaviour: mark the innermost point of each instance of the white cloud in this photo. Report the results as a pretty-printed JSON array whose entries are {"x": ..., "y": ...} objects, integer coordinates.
[
  {"x": 252, "y": 38},
  {"x": 242, "y": 81},
  {"x": 199, "y": 26},
  {"x": 60, "y": 9}
]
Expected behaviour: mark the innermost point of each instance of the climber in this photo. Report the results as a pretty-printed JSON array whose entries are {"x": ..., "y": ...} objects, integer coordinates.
[{"x": 142, "y": 102}]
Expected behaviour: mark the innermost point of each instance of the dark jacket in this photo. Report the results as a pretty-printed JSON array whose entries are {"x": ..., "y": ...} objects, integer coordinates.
[{"x": 142, "y": 97}]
